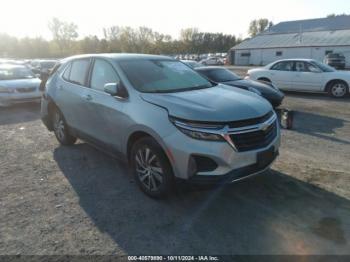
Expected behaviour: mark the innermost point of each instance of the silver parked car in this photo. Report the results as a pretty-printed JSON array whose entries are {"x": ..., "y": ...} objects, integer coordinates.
[
  {"x": 164, "y": 118},
  {"x": 18, "y": 84}
]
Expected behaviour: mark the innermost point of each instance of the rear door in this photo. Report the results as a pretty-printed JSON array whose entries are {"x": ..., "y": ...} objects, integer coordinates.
[
  {"x": 71, "y": 93},
  {"x": 105, "y": 112},
  {"x": 307, "y": 77},
  {"x": 281, "y": 74}
]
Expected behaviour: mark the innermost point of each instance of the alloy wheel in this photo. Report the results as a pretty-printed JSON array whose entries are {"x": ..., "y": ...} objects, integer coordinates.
[
  {"x": 148, "y": 169},
  {"x": 338, "y": 90},
  {"x": 59, "y": 126}
]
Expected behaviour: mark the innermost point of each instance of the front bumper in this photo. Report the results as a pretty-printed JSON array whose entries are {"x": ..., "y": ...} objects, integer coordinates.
[
  {"x": 234, "y": 175},
  {"x": 230, "y": 163},
  {"x": 7, "y": 99}
]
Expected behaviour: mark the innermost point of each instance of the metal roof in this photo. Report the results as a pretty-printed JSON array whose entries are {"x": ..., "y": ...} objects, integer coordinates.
[
  {"x": 341, "y": 22},
  {"x": 304, "y": 39}
]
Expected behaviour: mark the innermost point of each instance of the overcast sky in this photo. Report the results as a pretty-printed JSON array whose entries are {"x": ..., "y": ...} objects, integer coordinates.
[{"x": 30, "y": 17}]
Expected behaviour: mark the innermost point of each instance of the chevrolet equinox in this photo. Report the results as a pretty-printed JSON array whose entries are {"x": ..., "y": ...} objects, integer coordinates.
[{"x": 161, "y": 116}]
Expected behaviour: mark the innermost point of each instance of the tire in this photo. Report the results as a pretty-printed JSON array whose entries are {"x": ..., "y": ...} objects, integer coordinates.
[
  {"x": 151, "y": 168},
  {"x": 338, "y": 89},
  {"x": 61, "y": 129}
]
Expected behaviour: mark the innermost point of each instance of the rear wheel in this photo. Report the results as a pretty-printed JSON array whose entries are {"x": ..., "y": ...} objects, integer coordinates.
[
  {"x": 338, "y": 89},
  {"x": 61, "y": 130},
  {"x": 151, "y": 168}
]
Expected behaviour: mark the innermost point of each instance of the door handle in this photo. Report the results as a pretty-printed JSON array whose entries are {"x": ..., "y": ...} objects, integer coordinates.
[{"x": 88, "y": 97}]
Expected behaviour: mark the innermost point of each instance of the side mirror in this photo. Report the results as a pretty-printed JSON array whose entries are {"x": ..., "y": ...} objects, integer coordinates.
[
  {"x": 116, "y": 89},
  {"x": 111, "y": 88}
]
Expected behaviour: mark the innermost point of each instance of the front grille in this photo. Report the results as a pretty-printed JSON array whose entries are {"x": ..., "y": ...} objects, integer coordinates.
[
  {"x": 25, "y": 89},
  {"x": 251, "y": 121},
  {"x": 256, "y": 139}
]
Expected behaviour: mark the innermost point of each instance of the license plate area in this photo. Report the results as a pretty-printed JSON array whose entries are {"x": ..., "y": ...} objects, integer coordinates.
[{"x": 266, "y": 157}]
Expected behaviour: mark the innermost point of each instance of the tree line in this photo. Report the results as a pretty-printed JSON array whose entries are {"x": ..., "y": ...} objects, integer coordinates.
[{"x": 65, "y": 41}]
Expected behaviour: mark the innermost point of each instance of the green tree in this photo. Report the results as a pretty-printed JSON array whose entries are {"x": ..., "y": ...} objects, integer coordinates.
[
  {"x": 258, "y": 26},
  {"x": 63, "y": 34},
  {"x": 334, "y": 15}
]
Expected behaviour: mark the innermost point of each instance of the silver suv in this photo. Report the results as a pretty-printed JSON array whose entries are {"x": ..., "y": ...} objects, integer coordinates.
[{"x": 161, "y": 116}]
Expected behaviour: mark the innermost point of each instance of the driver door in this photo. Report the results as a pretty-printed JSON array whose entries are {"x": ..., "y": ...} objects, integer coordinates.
[{"x": 105, "y": 112}]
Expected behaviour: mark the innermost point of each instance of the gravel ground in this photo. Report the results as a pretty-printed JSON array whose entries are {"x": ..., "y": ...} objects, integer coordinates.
[{"x": 76, "y": 200}]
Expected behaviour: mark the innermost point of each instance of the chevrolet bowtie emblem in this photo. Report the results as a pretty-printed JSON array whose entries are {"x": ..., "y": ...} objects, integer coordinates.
[{"x": 264, "y": 127}]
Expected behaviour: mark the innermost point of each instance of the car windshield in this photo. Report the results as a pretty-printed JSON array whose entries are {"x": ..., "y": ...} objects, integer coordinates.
[
  {"x": 324, "y": 67},
  {"x": 162, "y": 76},
  {"x": 220, "y": 75},
  {"x": 12, "y": 73}
]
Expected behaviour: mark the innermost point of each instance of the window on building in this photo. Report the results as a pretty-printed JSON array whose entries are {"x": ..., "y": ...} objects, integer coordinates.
[
  {"x": 328, "y": 52},
  {"x": 279, "y": 53},
  {"x": 245, "y": 54}
]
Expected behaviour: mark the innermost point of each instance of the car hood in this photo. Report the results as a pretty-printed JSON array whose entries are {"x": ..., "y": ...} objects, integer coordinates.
[
  {"x": 263, "y": 88},
  {"x": 217, "y": 104},
  {"x": 19, "y": 83}
]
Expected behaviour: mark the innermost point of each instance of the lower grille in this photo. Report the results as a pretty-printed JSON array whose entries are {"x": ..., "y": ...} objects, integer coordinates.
[
  {"x": 25, "y": 89},
  {"x": 256, "y": 139}
]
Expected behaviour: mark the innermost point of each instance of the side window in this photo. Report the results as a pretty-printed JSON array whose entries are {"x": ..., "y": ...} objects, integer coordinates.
[
  {"x": 67, "y": 72},
  {"x": 78, "y": 71},
  {"x": 300, "y": 66},
  {"x": 102, "y": 73},
  {"x": 312, "y": 68},
  {"x": 283, "y": 66}
]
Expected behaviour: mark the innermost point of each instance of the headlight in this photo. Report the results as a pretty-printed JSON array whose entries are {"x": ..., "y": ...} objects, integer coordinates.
[
  {"x": 254, "y": 90},
  {"x": 198, "y": 131},
  {"x": 6, "y": 90}
]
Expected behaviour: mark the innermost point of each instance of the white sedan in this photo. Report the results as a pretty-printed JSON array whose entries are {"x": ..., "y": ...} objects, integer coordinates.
[
  {"x": 18, "y": 84},
  {"x": 303, "y": 75}
]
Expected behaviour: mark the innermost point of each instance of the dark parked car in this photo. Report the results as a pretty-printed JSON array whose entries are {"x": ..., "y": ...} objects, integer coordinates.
[
  {"x": 227, "y": 77},
  {"x": 335, "y": 60}
]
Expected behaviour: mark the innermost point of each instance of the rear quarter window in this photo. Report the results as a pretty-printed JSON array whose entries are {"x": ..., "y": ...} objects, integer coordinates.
[{"x": 78, "y": 71}]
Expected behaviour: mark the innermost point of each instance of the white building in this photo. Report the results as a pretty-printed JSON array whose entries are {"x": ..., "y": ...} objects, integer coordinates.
[{"x": 313, "y": 38}]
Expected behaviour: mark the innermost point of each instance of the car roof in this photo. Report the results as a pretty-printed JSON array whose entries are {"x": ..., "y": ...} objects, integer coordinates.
[
  {"x": 295, "y": 59},
  {"x": 118, "y": 56}
]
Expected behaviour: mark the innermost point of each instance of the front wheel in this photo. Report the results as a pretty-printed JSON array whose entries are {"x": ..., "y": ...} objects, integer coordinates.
[
  {"x": 61, "y": 130},
  {"x": 151, "y": 168},
  {"x": 338, "y": 89}
]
